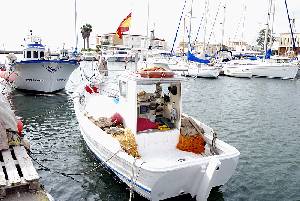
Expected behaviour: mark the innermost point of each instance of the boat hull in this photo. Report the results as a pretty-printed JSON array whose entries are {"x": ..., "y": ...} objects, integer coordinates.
[
  {"x": 237, "y": 72},
  {"x": 43, "y": 76},
  {"x": 155, "y": 181},
  {"x": 206, "y": 72},
  {"x": 273, "y": 70}
]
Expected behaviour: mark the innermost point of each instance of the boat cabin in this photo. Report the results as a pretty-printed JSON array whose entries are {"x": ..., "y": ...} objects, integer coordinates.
[
  {"x": 34, "y": 50},
  {"x": 150, "y": 103}
]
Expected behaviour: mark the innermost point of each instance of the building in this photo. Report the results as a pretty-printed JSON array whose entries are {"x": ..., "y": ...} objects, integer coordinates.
[
  {"x": 285, "y": 45},
  {"x": 136, "y": 41},
  {"x": 108, "y": 39},
  {"x": 239, "y": 46},
  {"x": 130, "y": 41}
]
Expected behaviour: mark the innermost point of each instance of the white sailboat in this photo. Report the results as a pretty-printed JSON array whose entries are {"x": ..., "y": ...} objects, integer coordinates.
[
  {"x": 200, "y": 67},
  {"x": 143, "y": 145},
  {"x": 268, "y": 67}
]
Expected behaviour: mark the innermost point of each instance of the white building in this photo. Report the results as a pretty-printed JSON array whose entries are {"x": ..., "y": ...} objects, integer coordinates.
[{"x": 286, "y": 43}]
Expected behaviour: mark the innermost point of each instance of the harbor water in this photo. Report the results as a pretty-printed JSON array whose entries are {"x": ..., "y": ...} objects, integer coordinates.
[{"x": 259, "y": 116}]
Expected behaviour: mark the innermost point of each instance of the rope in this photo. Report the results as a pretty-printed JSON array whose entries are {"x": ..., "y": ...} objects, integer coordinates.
[
  {"x": 69, "y": 175},
  {"x": 95, "y": 168},
  {"x": 131, "y": 195},
  {"x": 213, "y": 148},
  {"x": 51, "y": 170},
  {"x": 213, "y": 25},
  {"x": 198, "y": 31},
  {"x": 172, "y": 50}
]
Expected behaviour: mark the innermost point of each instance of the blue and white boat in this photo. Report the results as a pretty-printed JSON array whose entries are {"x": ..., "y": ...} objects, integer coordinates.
[{"x": 38, "y": 72}]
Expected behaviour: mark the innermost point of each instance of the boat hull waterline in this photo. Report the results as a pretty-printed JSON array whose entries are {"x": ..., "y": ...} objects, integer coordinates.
[{"x": 43, "y": 75}]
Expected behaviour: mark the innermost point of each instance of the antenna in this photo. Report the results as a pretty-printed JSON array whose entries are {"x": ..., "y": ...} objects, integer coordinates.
[
  {"x": 148, "y": 19},
  {"x": 76, "y": 36}
]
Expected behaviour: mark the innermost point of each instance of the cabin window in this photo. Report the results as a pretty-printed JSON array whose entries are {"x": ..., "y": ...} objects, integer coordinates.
[
  {"x": 42, "y": 54},
  {"x": 35, "y": 54},
  {"x": 123, "y": 88},
  {"x": 158, "y": 106},
  {"x": 28, "y": 54}
]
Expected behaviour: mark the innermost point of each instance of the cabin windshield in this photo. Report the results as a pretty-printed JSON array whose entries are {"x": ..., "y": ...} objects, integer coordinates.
[
  {"x": 158, "y": 106},
  {"x": 35, "y": 54},
  {"x": 28, "y": 54}
]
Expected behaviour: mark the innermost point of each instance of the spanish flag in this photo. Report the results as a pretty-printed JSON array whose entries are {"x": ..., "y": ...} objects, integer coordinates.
[{"x": 124, "y": 26}]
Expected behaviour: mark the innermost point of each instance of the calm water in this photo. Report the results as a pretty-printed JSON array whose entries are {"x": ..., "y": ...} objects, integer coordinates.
[{"x": 260, "y": 117}]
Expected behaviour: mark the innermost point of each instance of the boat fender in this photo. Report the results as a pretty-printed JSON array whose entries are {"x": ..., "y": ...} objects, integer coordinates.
[
  {"x": 20, "y": 127},
  {"x": 117, "y": 119},
  {"x": 91, "y": 89}
]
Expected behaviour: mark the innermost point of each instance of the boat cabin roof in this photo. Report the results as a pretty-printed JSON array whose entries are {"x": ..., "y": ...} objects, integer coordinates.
[{"x": 149, "y": 81}]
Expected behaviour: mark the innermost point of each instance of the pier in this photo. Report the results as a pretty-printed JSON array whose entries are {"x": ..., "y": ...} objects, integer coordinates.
[{"x": 19, "y": 179}]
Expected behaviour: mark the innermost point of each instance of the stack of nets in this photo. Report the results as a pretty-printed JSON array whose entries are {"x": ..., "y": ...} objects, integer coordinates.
[
  {"x": 191, "y": 136},
  {"x": 124, "y": 136},
  {"x": 128, "y": 143}
]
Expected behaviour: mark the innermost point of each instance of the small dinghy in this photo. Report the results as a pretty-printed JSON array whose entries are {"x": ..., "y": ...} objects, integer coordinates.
[{"x": 143, "y": 136}]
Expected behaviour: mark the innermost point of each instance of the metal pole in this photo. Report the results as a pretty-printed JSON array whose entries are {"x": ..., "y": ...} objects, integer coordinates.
[
  {"x": 267, "y": 29},
  {"x": 223, "y": 27},
  {"x": 293, "y": 39},
  {"x": 148, "y": 19}
]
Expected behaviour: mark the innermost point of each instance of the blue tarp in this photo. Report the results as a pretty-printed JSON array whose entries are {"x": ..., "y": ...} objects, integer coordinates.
[
  {"x": 268, "y": 54},
  {"x": 192, "y": 57},
  {"x": 253, "y": 58}
]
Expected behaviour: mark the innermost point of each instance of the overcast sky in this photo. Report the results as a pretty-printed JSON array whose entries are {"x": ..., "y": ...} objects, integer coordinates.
[{"x": 53, "y": 20}]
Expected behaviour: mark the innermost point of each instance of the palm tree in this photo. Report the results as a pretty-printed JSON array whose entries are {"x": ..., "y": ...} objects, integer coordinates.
[{"x": 85, "y": 32}]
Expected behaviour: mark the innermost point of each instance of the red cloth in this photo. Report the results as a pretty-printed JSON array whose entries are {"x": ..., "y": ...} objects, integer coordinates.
[
  {"x": 92, "y": 89},
  {"x": 88, "y": 89},
  {"x": 117, "y": 118},
  {"x": 145, "y": 124}
]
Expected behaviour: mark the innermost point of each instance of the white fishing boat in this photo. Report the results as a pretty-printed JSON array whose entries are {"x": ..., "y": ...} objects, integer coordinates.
[
  {"x": 37, "y": 72},
  {"x": 143, "y": 137}
]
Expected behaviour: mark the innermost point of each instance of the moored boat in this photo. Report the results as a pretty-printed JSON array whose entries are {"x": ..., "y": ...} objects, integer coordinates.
[
  {"x": 143, "y": 136},
  {"x": 37, "y": 72}
]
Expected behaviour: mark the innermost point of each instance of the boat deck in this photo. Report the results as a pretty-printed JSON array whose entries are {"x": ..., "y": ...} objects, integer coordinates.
[
  {"x": 17, "y": 171},
  {"x": 163, "y": 144}
]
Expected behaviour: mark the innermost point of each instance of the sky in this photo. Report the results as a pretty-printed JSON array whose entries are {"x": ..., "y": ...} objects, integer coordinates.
[{"x": 53, "y": 20}]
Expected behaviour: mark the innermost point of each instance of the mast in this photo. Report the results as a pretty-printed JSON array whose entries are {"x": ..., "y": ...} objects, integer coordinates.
[
  {"x": 205, "y": 24},
  {"x": 76, "y": 36},
  {"x": 244, "y": 18},
  {"x": 148, "y": 18},
  {"x": 291, "y": 28},
  {"x": 183, "y": 35},
  {"x": 191, "y": 15},
  {"x": 267, "y": 28},
  {"x": 223, "y": 27}
]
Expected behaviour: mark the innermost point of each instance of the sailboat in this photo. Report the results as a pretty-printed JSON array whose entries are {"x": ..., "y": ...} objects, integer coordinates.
[
  {"x": 200, "y": 67},
  {"x": 269, "y": 67}
]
